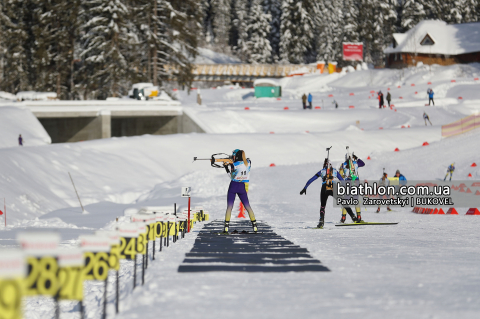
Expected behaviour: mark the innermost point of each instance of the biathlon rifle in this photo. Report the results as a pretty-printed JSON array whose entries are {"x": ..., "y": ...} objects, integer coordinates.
[
  {"x": 328, "y": 159},
  {"x": 350, "y": 164},
  {"x": 217, "y": 158}
]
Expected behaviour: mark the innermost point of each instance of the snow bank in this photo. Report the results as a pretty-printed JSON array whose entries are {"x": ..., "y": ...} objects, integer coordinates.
[
  {"x": 7, "y": 96},
  {"x": 36, "y": 96},
  {"x": 15, "y": 121}
]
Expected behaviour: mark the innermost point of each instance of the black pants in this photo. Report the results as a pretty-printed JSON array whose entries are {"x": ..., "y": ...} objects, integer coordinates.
[
  {"x": 431, "y": 99},
  {"x": 304, "y": 105},
  {"x": 323, "y": 201},
  {"x": 324, "y": 196}
]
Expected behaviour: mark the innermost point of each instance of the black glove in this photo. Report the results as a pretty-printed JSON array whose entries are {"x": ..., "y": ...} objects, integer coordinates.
[
  {"x": 304, "y": 191},
  {"x": 354, "y": 156},
  {"x": 225, "y": 165}
]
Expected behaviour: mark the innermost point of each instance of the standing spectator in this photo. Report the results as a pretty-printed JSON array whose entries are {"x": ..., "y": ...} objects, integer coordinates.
[
  {"x": 336, "y": 104},
  {"x": 401, "y": 180},
  {"x": 430, "y": 96},
  {"x": 310, "y": 99},
  {"x": 389, "y": 98},
  {"x": 304, "y": 100},
  {"x": 425, "y": 117},
  {"x": 199, "y": 98},
  {"x": 20, "y": 140},
  {"x": 380, "y": 99}
]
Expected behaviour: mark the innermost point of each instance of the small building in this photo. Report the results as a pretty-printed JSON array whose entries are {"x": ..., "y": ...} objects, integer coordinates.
[
  {"x": 267, "y": 88},
  {"x": 435, "y": 42}
]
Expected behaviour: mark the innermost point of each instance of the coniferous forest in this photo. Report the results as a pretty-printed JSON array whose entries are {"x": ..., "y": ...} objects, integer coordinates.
[{"x": 93, "y": 49}]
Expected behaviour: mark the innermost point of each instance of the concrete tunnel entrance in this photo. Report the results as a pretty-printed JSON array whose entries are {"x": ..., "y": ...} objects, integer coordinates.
[
  {"x": 134, "y": 126},
  {"x": 63, "y": 128}
]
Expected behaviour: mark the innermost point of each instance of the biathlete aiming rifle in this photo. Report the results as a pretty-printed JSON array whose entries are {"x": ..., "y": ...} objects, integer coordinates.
[{"x": 217, "y": 158}]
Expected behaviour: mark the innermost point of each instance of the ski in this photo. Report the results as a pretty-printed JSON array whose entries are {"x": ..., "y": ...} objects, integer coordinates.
[
  {"x": 366, "y": 224},
  {"x": 237, "y": 233}
]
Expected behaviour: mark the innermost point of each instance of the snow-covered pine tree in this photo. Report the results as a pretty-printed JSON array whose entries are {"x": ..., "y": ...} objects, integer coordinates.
[
  {"x": 109, "y": 43},
  {"x": 14, "y": 38},
  {"x": 367, "y": 27},
  {"x": 386, "y": 27},
  {"x": 469, "y": 10},
  {"x": 221, "y": 24},
  {"x": 446, "y": 10},
  {"x": 377, "y": 24},
  {"x": 297, "y": 30},
  {"x": 350, "y": 21},
  {"x": 242, "y": 10},
  {"x": 413, "y": 12},
  {"x": 337, "y": 24},
  {"x": 44, "y": 24},
  {"x": 149, "y": 18},
  {"x": 54, "y": 28},
  {"x": 258, "y": 30},
  {"x": 330, "y": 29},
  {"x": 274, "y": 8},
  {"x": 183, "y": 25},
  {"x": 207, "y": 16}
]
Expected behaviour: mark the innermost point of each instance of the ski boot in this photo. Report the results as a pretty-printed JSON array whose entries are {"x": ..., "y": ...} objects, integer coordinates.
[
  {"x": 388, "y": 208},
  {"x": 254, "y": 225},
  {"x": 225, "y": 228},
  {"x": 342, "y": 220},
  {"x": 359, "y": 219},
  {"x": 378, "y": 209},
  {"x": 320, "y": 224}
]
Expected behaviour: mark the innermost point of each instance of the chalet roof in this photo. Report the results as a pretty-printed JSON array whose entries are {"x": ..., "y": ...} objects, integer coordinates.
[{"x": 450, "y": 39}]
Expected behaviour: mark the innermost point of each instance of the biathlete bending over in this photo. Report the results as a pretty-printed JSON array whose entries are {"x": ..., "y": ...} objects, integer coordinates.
[
  {"x": 327, "y": 173},
  {"x": 239, "y": 173}
]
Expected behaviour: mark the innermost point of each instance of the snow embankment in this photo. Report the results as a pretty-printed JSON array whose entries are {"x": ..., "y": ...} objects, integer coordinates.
[
  {"x": 120, "y": 170},
  {"x": 15, "y": 121}
]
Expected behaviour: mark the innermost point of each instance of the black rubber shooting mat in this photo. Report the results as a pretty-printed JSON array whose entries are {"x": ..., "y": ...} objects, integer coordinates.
[{"x": 264, "y": 251}]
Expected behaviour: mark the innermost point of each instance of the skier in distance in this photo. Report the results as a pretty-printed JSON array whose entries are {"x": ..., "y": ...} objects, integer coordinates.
[{"x": 450, "y": 170}]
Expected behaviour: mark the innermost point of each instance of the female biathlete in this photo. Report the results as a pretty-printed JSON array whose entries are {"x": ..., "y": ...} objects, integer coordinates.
[
  {"x": 239, "y": 173},
  {"x": 350, "y": 169},
  {"x": 328, "y": 173}
]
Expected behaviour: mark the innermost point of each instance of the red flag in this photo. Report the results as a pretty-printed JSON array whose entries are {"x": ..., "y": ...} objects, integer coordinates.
[{"x": 1, "y": 213}]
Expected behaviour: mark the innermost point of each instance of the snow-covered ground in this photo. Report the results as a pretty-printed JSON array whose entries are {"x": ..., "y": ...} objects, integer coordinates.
[{"x": 427, "y": 266}]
